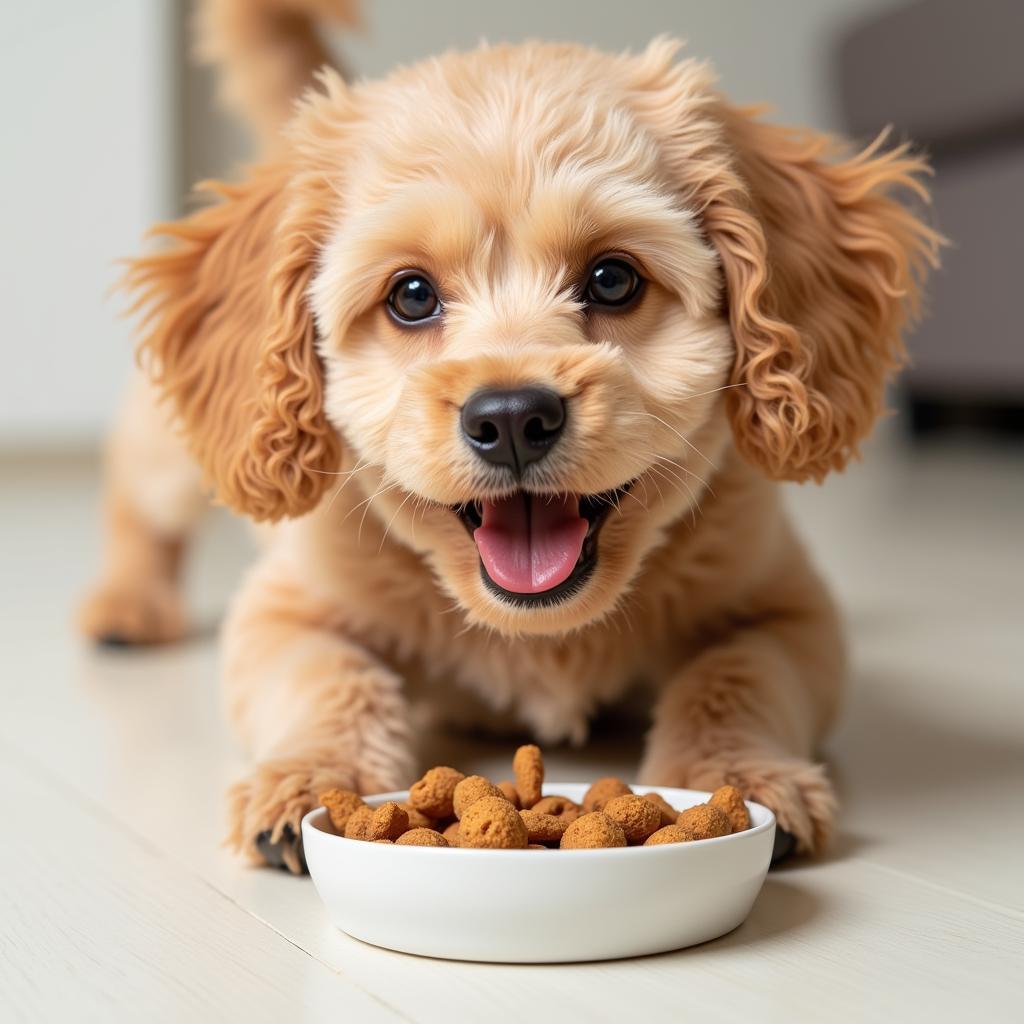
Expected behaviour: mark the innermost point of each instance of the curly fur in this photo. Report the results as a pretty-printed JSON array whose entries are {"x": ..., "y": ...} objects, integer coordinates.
[
  {"x": 233, "y": 345},
  {"x": 782, "y": 268}
]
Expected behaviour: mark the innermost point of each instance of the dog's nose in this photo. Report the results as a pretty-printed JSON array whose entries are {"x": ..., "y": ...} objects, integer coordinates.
[{"x": 513, "y": 428}]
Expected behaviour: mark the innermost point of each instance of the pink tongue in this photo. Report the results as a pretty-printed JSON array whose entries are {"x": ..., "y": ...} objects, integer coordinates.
[{"x": 530, "y": 544}]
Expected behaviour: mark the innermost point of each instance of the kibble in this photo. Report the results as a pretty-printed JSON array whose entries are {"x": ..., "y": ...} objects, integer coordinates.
[
  {"x": 730, "y": 800},
  {"x": 592, "y": 831},
  {"x": 638, "y": 818},
  {"x": 358, "y": 824},
  {"x": 421, "y": 837},
  {"x": 492, "y": 823},
  {"x": 340, "y": 804},
  {"x": 670, "y": 834},
  {"x": 417, "y": 819},
  {"x": 471, "y": 789},
  {"x": 705, "y": 821},
  {"x": 542, "y": 828},
  {"x": 668, "y": 812},
  {"x": 434, "y": 794},
  {"x": 389, "y": 821},
  {"x": 447, "y": 809},
  {"x": 510, "y": 793},
  {"x": 528, "y": 768},
  {"x": 601, "y": 792},
  {"x": 562, "y": 807}
]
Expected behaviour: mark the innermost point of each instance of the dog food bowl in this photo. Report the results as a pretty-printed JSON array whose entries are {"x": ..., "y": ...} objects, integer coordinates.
[{"x": 529, "y": 906}]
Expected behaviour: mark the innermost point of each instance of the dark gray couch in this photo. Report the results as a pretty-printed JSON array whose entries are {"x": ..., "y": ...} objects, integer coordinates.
[{"x": 949, "y": 74}]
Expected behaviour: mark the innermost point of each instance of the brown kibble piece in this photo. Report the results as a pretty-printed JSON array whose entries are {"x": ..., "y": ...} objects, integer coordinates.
[
  {"x": 340, "y": 804},
  {"x": 389, "y": 821},
  {"x": 537, "y": 846},
  {"x": 592, "y": 831},
  {"x": 358, "y": 824},
  {"x": 668, "y": 812},
  {"x": 543, "y": 828},
  {"x": 417, "y": 819},
  {"x": 670, "y": 834},
  {"x": 451, "y": 834},
  {"x": 433, "y": 794},
  {"x": 730, "y": 800},
  {"x": 560, "y": 806},
  {"x": 421, "y": 837},
  {"x": 637, "y": 817},
  {"x": 601, "y": 792},
  {"x": 528, "y": 768},
  {"x": 492, "y": 823},
  {"x": 387, "y": 842},
  {"x": 471, "y": 789},
  {"x": 511, "y": 794},
  {"x": 705, "y": 821}
]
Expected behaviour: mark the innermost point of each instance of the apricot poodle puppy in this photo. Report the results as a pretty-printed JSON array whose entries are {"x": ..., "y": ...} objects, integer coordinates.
[{"x": 511, "y": 347}]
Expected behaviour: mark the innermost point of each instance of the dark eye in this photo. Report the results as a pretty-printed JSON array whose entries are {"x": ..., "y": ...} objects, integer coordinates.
[
  {"x": 612, "y": 282},
  {"x": 414, "y": 298}
]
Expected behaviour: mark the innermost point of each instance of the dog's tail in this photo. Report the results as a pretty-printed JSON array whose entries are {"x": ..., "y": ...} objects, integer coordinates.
[{"x": 266, "y": 52}]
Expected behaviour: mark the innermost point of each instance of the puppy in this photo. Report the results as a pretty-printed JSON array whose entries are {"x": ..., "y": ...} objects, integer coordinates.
[{"x": 512, "y": 348}]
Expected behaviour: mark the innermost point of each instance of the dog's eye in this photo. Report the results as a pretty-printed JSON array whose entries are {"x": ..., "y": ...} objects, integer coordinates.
[
  {"x": 414, "y": 298},
  {"x": 612, "y": 282}
]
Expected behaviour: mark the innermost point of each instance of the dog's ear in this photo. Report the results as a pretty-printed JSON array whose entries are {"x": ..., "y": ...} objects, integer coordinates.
[
  {"x": 230, "y": 340},
  {"x": 822, "y": 265},
  {"x": 822, "y": 270}
]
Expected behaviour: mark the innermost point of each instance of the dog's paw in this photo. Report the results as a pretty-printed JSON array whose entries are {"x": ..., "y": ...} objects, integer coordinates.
[
  {"x": 797, "y": 791},
  {"x": 143, "y": 611},
  {"x": 266, "y": 808}
]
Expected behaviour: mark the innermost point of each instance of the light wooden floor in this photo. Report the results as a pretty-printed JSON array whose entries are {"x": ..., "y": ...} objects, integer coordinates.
[{"x": 117, "y": 903}]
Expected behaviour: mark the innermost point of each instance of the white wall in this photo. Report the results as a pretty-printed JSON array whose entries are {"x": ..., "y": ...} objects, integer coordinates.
[
  {"x": 90, "y": 149},
  {"x": 764, "y": 50},
  {"x": 86, "y": 109}
]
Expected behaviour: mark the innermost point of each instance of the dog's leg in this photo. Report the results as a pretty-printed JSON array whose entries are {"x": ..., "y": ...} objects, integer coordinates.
[
  {"x": 750, "y": 710},
  {"x": 313, "y": 707},
  {"x": 153, "y": 499}
]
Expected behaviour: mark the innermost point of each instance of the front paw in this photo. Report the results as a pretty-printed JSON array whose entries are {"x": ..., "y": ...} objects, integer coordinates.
[
  {"x": 797, "y": 791},
  {"x": 142, "y": 611},
  {"x": 266, "y": 808}
]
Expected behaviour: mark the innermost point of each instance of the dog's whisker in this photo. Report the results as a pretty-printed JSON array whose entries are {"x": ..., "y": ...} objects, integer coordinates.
[
  {"x": 355, "y": 508},
  {"x": 695, "y": 505},
  {"x": 383, "y": 489},
  {"x": 664, "y": 459},
  {"x": 349, "y": 475},
  {"x": 358, "y": 468},
  {"x": 682, "y": 437},
  {"x": 644, "y": 480},
  {"x": 387, "y": 529},
  {"x": 679, "y": 484},
  {"x": 362, "y": 519},
  {"x": 714, "y": 391},
  {"x": 420, "y": 507},
  {"x": 660, "y": 473}
]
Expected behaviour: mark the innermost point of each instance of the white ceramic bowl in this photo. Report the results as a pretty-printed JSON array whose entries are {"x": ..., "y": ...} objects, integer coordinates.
[{"x": 528, "y": 906}]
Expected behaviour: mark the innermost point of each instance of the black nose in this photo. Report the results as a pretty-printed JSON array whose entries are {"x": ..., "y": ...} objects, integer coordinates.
[{"x": 513, "y": 428}]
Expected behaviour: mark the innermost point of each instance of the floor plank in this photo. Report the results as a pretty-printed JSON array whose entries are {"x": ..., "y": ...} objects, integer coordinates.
[{"x": 96, "y": 926}]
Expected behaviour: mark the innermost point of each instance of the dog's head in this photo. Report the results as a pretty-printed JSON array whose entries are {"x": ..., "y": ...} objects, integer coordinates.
[{"x": 533, "y": 292}]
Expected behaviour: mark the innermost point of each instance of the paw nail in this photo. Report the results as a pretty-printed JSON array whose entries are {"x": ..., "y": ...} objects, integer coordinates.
[{"x": 285, "y": 854}]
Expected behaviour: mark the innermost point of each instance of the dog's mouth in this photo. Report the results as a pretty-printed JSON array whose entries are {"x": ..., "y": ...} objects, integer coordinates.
[{"x": 538, "y": 548}]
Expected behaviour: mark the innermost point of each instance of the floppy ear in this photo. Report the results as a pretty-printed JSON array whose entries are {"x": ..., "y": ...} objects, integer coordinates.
[
  {"x": 230, "y": 340},
  {"x": 822, "y": 266},
  {"x": 823, "y": 269}
]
